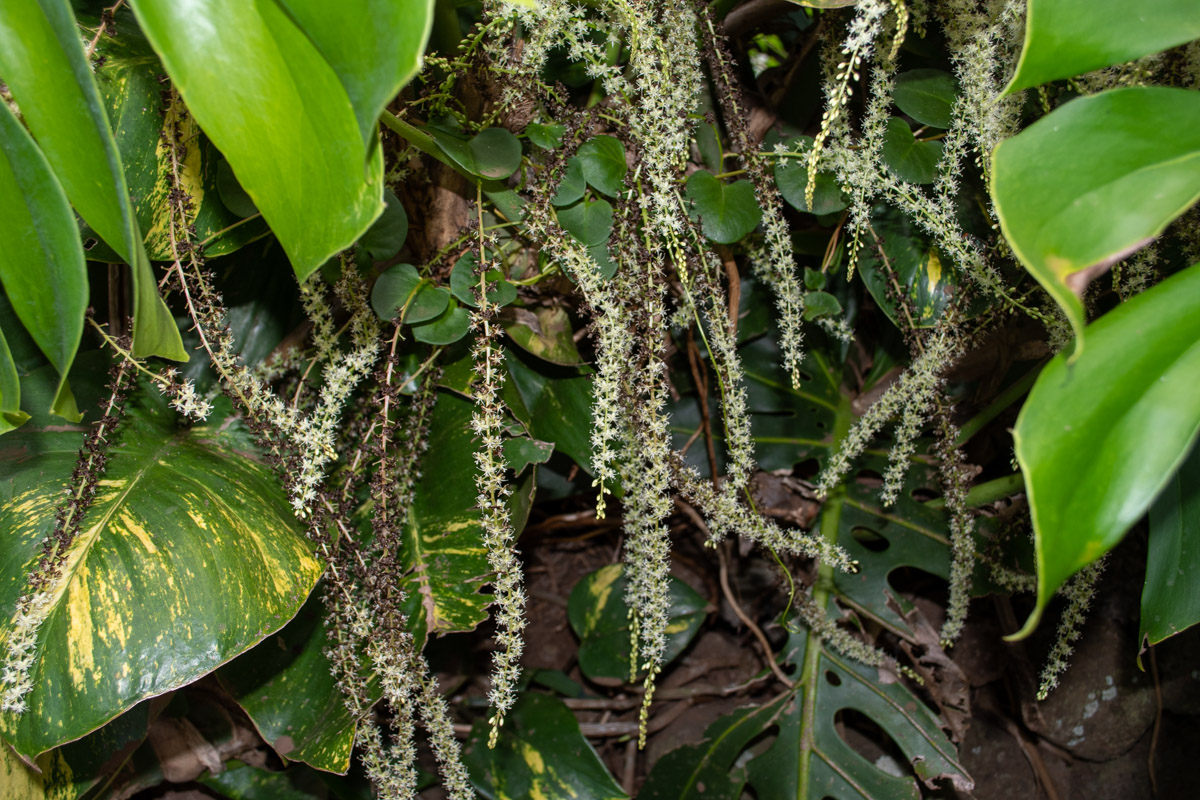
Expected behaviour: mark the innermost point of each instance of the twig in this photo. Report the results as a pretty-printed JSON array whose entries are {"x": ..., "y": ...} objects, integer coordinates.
[{"x": 768, "y": 654}]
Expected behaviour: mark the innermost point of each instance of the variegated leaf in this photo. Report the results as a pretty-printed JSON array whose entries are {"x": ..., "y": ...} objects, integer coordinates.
[{"x": 188, "y": 556}]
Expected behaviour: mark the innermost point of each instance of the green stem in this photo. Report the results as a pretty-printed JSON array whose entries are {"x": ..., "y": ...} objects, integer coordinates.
[
  {"x": 831, "y": 520},
  {"x": 423, "y": 142},
  {"x": 988, "y": 492},
  {"x": 1003, "y": 401}
]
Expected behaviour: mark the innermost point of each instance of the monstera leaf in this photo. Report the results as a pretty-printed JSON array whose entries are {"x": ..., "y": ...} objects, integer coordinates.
[{"x": 187, "y": 556}]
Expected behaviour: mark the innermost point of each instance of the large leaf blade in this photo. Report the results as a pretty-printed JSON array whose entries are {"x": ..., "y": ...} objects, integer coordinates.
[
  {"x": 41, "y": 264},
  {"x": 188, "y": 556},
  {"x": 42, "y": 60},
  {"x": 1100, "y": 435},
  {"x": 1070, "y": 37},
  {"x": 276, "y": 109},
  {"x": 1063, "y": 186},
  {"x": 1170, "y": 600}
]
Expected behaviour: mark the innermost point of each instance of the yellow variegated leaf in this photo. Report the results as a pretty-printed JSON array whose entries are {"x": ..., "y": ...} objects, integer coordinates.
[{"x": 188, "y": 556}]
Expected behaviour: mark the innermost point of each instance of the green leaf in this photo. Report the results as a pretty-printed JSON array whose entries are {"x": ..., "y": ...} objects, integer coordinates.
[
  {"x": 906, "y": 254},
  {"x": 42, "y": 60},
  {"x": 497, "y": 153},
  {"x": 821, "y": 304},
  {"x": 445, "y": 562},
  {"x": 573, "y": 184},
  {"x": 602, "y": 159},
  {"x": 559, "y": 402},
  {"x": 1069, "y": 37},
  {"x": 1171, "y": 597},
  {"x": 402, "y": 291},
  {"x": 810, "y": 759},
  {"x": 1101, "y": 434},
  {"x": 271, "y": 115},
  {"x": 386, "y": 235},
  {"x": 589, "y": 221},
  {"x": 446, "y": 328},
  {"x": 547, "y": 137},
  {"x": 926, "y": 95},
  {"x": 311, "y": 724},
  {"x": 373, "y": 46},
  {"x": 708, "y": 770},
  {"x": 11, "y": 415},
  {"x": 600, "y": 618},
  {"x": 133, "y": 96},
  {"x": 1091, "y": 182},
  {"x": 240, "y": 781},
  {"x": 521, "y": 451},
  {"x": 464, "y": 279},
  {"x": 541, "y": 754},
  {"x": 41, "y": 265},
  {"x": 546, "y": 333},
  {"x": 907, "y": 158},
  {"x": 727, "y": 211},
  {"x": 188, "y": 556},
  {"x": 813, "y": 280}
]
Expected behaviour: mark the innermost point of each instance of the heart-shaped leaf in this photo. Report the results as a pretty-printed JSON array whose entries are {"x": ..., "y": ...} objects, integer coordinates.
[
  {"x": 386, "y": 235},
  {"x": 464, "y": 280},
  {"x": 497, "y": 153},
  {"x": 791, "y": 176},
  {"x": 1101, "y": 434},
  {"x": 573, "y": 184},
  {"x": 402, "y": 291},
  {"x": 926, "y": 95},
  {"x": 1070, "y": 37},
  {"x": 907, "y": 158},
  {"x": 728, "y": 212},
  {"x": 1086, "y": 185},
  {"x": 602, "y": 159},
  {"x": 547, "y": 137},
  {"x": 446, "y": 328},
  {"x": 600, "y": 618},
  {"x": 589, "y": 221},
  {"x": 188, "y": 555}
]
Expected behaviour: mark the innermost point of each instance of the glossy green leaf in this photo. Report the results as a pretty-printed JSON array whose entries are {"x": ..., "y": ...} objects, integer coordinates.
[
  {"x": 821, "y": 304},
  {"x": 810, "y": 759},
  {"x": 572, "y": 186},
  {"x": 464, "y": 279},
  {"x": 401, "y": 291},
  {"x": 600, "y": 618},
  {"x": 541, "y": 754},
  {"x": 813, "y": 280},
  {"x": 604, "y": 260},
  {"x": 286, "y": 687},
  {"x": 1171, "y": 596},
  {"x": 41, "y": 265},
  {"x": 373, "y": 46},
  {"x": 188, "y": 556},
  {"x": 908, "y": 158},
  {"x": 546, "y": 333},
  {"x": 791, "y": 176},
  {"x": 709, "y": 770},
  {"x": 1100, "y": 435},
  {"x": 386, "y": 235},
  {"x": 282, "y": 118},
  {"x": 727, "y": 211},
  {"x": 926, "y": 95},
  {"x": 905, "y": 254},
  {"x": 240, "y": 781},
  {"x": 547, "y": 137},
  {"x": 1091, "y": 182},
  {"x": 559, "y": 402},
  {"x": 497, "y": 153},
  {"x": 589, "y": 221},
  {"x": 42, "y": 60},
  {"x": 446, "y": 328},
  {"x": 1069, "y": 37},
  {"x": 11, "y": 415},
  {"x": 445, "y": 562},
  {"x": 521, "y": 451},
  {"x": 602, "y": 159},
  {"x": 128, "y": 75}
]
